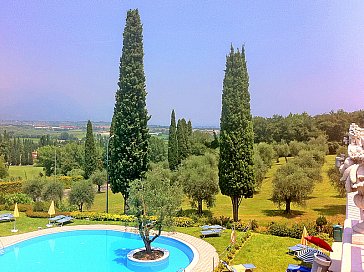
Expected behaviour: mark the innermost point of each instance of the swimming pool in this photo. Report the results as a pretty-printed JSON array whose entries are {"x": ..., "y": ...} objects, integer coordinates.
[{"x": 88, "y": 251}]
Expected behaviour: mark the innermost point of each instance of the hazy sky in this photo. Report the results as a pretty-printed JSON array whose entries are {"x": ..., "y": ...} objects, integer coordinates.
[{"x": 59, "y": 60}]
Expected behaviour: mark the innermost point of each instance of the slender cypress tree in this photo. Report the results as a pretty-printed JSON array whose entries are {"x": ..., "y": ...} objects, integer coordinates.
[
  {"x": 173, "y": 144},
  {"x": 129, "y": 146},
  {"x": 236, "y": 174},
  {"x": 90, "y": 163},
  {"x": 182, "y": 139}
]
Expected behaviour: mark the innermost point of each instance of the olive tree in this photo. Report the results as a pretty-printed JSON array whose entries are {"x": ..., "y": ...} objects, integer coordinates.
[
  {"x": 157, "y": 196},
  {"x": 82, "y": 192}
]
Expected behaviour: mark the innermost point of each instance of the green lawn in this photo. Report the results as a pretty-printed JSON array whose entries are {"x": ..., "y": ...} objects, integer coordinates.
[
  {"x": 26, "y": 172},
  {"x": 323, "y": 201},
  {"x": 267, "y": 252}
]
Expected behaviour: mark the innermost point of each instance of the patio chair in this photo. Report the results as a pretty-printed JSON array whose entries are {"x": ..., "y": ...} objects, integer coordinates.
[
  {"x": 239, "y": 267},
  {"x": 6, "y": 217},
  {"x": 297, "y": 268},
  {"x": 64, "y": 220},
  {"x": 211, "y": 232}
]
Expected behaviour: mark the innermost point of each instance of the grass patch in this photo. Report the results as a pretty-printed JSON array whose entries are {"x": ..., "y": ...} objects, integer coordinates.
[
  {"x": 323, "y": 201},
  {"x": 25, "y": 172},
  {"x": 267, "y": 252}
]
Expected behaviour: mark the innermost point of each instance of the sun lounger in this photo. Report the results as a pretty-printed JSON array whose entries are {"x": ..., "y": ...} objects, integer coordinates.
[
  {"x": 297, "y": 268},
  {"x": 293, "y": 250},
  {"x": 65, "y": 220},
  {"x": 211, "y": 232},
  {"x": 212, "y": 227},
  {"x": 53, "y": 220},
  {"x": 239, "y": 267},
  {"x": 7, "y": 217}
]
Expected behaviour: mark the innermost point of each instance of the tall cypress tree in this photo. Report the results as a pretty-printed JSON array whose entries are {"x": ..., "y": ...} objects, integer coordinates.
[
  {"x": 90, "y": 163},
  {"x": 173, "y": 144},
  {"x": 129, "y": 146},
  {"x": 182, "y": 139},
  {"x": 236, "y": 174}
]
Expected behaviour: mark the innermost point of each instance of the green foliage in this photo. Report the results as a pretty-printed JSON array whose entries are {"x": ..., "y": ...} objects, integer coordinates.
[
  {"x": 129, "y": 146},
  {"x": 99, "y": 178},
  {"x": 76, "y": 172},
  {"x": 198, "y": 176},
  {"x": 33, "y": 188},
  {"x": 90, "y": 163},
  {"x": 82, "y": 192},
  {"x": 200, "y": 142},
  {"x": 291, "y": 184},
  {"x": 3, "y": 169},
  {"x": 295, "y": 231},
  {"x": 236, "y": 170},
  {"x": 173, "y": 144},
  {"x": 342, "y": 150},
  {"x": 335, "y": 179},
  {"x": 53, "y": 190},
  {"x": 183, "y": 139},
  {"x": 266, "y": 153},
  {"x": 281, "y": 149},
  {"x": 10, "y": 187},
  {"x": 157, "y": 150},
  {"x": 321, "y": 221},
  {"x": 19, "y": 198},
  {"x": 155, "y": 196},
  {"x": 39, "y": 206},
  {"x": 260, "y": 170},
  {"x": 295, "y": 147}
]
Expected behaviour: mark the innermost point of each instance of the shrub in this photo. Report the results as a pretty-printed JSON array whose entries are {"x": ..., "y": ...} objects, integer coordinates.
[
  {"x": 53, "y": 190},
  {"x": 17, "y": 198},
  {"x": 10, "y": 187},
  {"x": 33, "y": 188},
  {"x": 254, "y": 224},
  {"x": 320, "y": 222},
  {"x": 183, "y": 222},
  {"x": 39, "y": 207}
]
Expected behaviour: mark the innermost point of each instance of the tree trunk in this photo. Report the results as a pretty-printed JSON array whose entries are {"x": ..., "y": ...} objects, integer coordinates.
[
  {"x": 80, "y": 207},
  {"x": 99, "y": 188},
  {"x": 288, "y": 206},
  {"x": 235, "y": 202},
  {"x": 286, "y": 159},
  {"x": 199, "y": 207},
  {"x": 126, "y": 206}
]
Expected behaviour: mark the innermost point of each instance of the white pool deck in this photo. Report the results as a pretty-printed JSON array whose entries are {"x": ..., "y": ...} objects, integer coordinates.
[
  {"x": 348, "y": 256},
  {"x": 206, "y": 256}
]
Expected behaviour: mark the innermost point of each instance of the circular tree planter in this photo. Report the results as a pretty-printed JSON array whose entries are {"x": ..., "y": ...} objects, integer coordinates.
[{"x": 138, "y": 265}]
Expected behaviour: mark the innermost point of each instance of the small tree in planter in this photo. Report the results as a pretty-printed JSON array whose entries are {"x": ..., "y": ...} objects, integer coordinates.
[{"x": 154, "y": 201}]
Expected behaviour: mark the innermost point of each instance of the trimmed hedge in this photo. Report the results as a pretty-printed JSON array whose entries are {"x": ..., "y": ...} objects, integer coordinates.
[
  {"x": 95, "y": 216},
  {"x": 10, "y": 187}
]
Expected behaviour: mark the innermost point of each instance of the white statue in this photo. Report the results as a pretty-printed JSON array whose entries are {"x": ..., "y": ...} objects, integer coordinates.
[{"x": 352, "y": 169}]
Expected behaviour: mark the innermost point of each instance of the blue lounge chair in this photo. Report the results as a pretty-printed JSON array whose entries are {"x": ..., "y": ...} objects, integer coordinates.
[
  {"x": 6, "y": 217},
  {"x": 239, "y": 267},
  {"x": 212, "y": 227},
  {"x": 297, "y": 268},
  {"x": 64, "y": 220},
  {"x": 53, "y": 220},
  {"x": 211, "y": 232}
]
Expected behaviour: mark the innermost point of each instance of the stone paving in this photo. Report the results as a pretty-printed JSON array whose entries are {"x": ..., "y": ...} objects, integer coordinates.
[{"x": 205, "y": 259}]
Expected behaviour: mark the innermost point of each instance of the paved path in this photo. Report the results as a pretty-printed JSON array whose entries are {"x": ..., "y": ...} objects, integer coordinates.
[{"x": 205, "y": 254}]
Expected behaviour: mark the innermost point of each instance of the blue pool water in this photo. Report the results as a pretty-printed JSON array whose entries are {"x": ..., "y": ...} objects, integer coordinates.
[{"x": 88, "y": 251}]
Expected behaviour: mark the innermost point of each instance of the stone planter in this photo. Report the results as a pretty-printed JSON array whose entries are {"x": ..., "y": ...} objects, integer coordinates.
[{"x": 138, "y": 265}]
